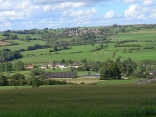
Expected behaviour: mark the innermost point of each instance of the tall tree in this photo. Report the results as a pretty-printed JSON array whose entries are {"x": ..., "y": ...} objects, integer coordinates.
[
  {"x": 8, "y": 66},
  {"x": 3, "y": 80},
  {"x": 19, "y": 66}
]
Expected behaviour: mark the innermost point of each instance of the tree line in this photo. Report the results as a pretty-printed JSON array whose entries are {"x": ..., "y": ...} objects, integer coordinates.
[
  {"x": 8, "y": 55},
  {"x": 20, "y": 80}
]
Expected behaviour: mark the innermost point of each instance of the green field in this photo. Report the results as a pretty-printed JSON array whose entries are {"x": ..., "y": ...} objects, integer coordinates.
[
  {"x": 102, "y": 55},
  {"x": 80, "y": 101},
  {"x": 22, "y": 44}
]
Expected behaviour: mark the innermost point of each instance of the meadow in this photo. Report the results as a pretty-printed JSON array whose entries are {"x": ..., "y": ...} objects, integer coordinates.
[
  {"x": 22, "y": 44},
  {"x": 102, "y": 55},
  {"x": 128, "y": 100}
]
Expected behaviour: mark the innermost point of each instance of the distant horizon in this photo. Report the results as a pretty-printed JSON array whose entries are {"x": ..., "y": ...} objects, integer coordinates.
[
  {"x": 74, "y": 27},
  {"x": 40, "y": 14}
]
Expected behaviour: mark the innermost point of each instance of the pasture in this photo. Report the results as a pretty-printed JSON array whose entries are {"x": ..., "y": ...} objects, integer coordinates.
[
  {"x": 22, "y": 44},
  {"x": 128, "y": 100},
  {"x": 38, "y": 56},
  {"x": 101, "y": 55}
]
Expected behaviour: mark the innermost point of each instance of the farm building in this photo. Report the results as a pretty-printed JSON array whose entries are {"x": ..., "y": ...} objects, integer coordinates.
[
  {"x": 91, "y": 76},
  {"x": 60, "y": 75},
  {"x": 29, "y": 66},
  {"x": 43, "y": 66}
]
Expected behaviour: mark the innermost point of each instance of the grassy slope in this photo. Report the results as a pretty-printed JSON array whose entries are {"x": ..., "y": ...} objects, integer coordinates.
[
  {"x": 140, "y": 55},
  {"x": 23, "y": 44},
  {"x": 80, "y": 101}
]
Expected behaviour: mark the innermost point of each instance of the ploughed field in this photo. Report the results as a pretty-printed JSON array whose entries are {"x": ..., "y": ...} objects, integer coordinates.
[{"x": 128, "y": 100}]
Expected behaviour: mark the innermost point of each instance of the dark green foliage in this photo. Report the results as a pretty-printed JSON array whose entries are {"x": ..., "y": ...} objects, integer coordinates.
[
  {"x": 18, "y": 76},
  {"x": 3, "y": 80},
  {"x": 17, "y": 79},
  {"x": 8, "y": 66},
  {"x": 37, "y": 46},
  {"x": 8, "y": 55},
  {"x": 2, "y": 67},
  {"x": 95, "y": 67},
  {"x": 37, "y": 71},
  {"x": 19, "y": 66},
  {"x": 54, "y": 82},
  {"x": 111, "y": 71},
  {"x": 35, "y": 82}
]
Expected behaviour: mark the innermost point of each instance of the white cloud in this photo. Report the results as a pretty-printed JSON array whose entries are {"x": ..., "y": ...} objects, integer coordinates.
[
  {"x": 109, "y": 14},
  {"x": 17, "y": 4},
  {"x": 69, "y": 13},
  {"x": 64, "y": 5},
  {"x": 148, "y": 2},
  {"x": 47, "y": 7},
  {"x": 12, "y": 14},
  {"x": 80, "y": 13},
  {"x": 142, "y": 16},
  {"x": 132, "y": 11}
]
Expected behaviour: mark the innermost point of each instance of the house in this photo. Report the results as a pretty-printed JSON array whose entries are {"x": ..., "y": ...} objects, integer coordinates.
[
  {"x": 43, "y": 66},
  {"x": 60, "y": 65},
  {"x": 60, "y": 75},
  {"x": 50, "y": 65},
  {"x": 75, "y": 65},
  {"x": 29, "y": 66}
]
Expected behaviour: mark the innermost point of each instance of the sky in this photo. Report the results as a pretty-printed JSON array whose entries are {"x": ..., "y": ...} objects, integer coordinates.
[{"x": 40, "y": 14}]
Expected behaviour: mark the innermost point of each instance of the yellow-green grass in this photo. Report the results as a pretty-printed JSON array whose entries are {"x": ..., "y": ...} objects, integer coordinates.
[
  {"x": 22, "y": 44},
  {"x": 128, "y": 100},
  {"x": 26, "y": 73},
  {"x": 25, "y": 35},
  {"x": 136, "y": 36},
  {"x": 101, "y": 55}
]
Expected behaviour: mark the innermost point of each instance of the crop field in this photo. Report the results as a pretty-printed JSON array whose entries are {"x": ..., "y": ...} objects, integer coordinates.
[
  {"x": 4, "y": 43},
  {"x": 128, "y": 100}
]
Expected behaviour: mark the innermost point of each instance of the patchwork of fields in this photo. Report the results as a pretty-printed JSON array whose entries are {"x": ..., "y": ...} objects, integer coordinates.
[{"x": 95, "y": 98}]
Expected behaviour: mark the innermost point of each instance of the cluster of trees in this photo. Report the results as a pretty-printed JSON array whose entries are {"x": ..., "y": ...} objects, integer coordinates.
[
  {"x": 10, "y": 37},
  {"x": 127, "y": 45},
  {"x": 8, "y": 55},
  {"x": 144, "y": 67},
  {"x": 37, "y": 46},
  {"x": 9, "y": 66},
  {"x": 130, "y": 50},
  {"x": 114, "y": 70},
  {"x": 20, "y": 80},
  {"x": 125, "y": 41},
  {"x": 102, "y": 46},
  {"x": 149, "y": 48}
]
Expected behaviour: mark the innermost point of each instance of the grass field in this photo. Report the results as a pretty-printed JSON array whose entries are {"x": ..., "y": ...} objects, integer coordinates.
[
  {"x": 22, "y": 44},
  {"x": 80, "y": 101},
  {"x": 102, "y": 55}
]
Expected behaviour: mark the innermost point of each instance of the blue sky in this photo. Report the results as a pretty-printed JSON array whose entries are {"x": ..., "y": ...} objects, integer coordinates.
[{"x": 28, "y": 14}]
